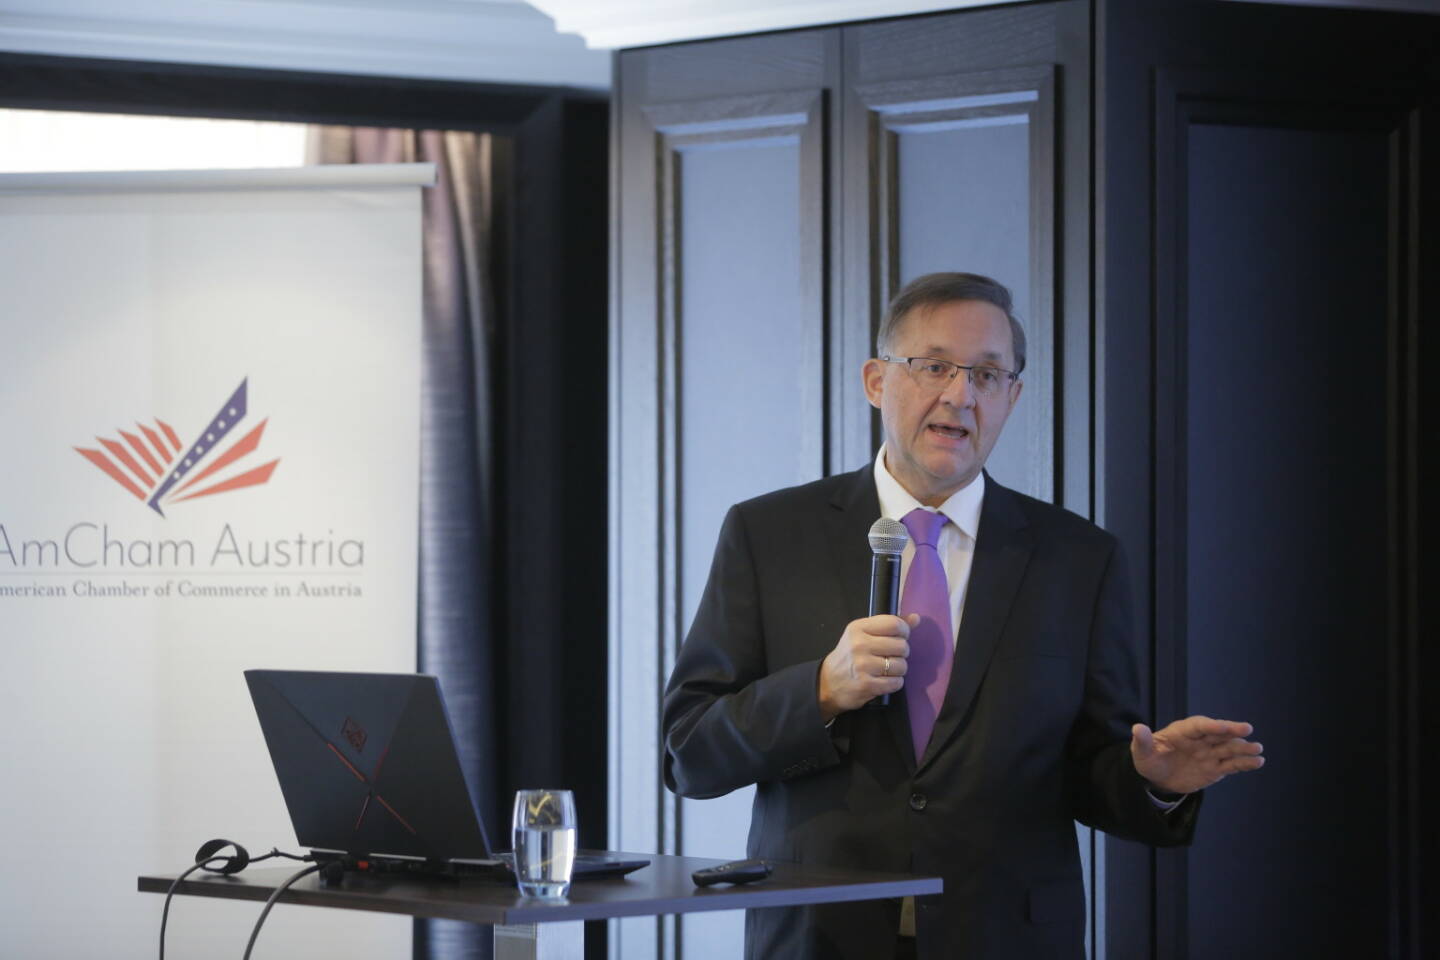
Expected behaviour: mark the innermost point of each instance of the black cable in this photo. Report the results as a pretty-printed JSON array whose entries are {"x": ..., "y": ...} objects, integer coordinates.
[
  {"x": 314, "y": 867},
  {"x": 169, "y": 894},
  {"x": 277, "y": 852},
  {"x": 206, "y": 865}
]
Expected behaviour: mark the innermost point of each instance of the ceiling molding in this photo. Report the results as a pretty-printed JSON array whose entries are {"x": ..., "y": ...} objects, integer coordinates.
[
  {"x": 629, "y": 23},
  {"x": 490, "y": 41},
  {"x": 632, "y": 23}
]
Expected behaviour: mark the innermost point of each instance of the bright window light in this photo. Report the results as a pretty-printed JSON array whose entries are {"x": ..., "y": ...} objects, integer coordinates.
[{"x": 37, "y": 141}]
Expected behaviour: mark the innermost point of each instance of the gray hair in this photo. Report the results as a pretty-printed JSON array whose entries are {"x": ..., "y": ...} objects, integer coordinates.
[{"x": 934, "y": 289}]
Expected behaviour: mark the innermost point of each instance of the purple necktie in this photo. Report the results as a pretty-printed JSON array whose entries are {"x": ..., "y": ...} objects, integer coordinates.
[{"x": 932, "y": 642}]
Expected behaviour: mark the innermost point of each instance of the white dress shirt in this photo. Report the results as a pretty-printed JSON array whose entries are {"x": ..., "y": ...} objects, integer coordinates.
[{"x": 957, "y": 537}]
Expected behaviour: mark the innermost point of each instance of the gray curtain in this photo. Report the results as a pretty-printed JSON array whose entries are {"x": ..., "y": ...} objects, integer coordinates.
[{"x": 456, "y": 455}]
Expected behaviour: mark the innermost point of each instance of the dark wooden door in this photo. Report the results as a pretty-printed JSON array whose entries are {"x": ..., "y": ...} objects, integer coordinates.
[
  {"x": 1267, "y": 267},
  {"x": 772, "y": 193}
]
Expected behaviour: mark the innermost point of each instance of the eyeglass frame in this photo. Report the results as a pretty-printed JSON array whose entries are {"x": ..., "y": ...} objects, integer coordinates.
[{"x": 969, "y": 370}]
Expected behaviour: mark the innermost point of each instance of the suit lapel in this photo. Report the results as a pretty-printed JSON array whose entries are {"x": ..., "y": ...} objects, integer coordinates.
[
  {"x": 854, "y": 507},
  {"x": 1002, "y": 552}
]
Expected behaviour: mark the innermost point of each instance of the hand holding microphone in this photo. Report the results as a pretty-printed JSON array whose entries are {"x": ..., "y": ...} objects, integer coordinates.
[{"x": 869, "y": 660}]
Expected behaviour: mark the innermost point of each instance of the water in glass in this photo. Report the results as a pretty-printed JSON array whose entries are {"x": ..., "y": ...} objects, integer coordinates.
[
  {"x": 544, "y": 842},
  {"x": 544, "y": 857}
]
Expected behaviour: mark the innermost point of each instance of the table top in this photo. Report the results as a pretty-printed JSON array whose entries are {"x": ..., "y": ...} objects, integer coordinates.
[{"x": 662, "y": 887}]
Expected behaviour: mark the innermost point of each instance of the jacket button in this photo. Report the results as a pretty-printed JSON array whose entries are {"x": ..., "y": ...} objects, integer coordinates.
[{"x": 917, "y": 801}]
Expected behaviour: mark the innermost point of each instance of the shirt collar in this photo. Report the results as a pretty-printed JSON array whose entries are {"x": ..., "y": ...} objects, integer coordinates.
[{"x": 962, "y": 509}]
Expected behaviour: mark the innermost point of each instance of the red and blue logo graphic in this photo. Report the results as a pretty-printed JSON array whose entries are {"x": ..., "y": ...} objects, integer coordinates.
[{"x": 156, "y": 469}]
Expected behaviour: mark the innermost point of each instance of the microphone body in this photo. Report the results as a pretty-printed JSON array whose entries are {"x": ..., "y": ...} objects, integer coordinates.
[
  {"x": 887, "y": 542},
  {"x": 884, "y": 595}
]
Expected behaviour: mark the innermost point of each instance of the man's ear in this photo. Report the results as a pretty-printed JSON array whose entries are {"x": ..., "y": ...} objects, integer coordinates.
[
  {"x": 1015, "y": 389},
  {"x": 872, "y": 375}
]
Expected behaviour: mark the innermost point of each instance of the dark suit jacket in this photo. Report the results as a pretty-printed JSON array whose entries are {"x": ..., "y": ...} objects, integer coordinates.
[{"x": 1033, "y": 733}]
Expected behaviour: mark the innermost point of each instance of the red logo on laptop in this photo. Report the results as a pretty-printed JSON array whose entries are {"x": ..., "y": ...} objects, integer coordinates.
[
  {"x": 154, "y": 467},
  {"x": 354, "y": 733}
]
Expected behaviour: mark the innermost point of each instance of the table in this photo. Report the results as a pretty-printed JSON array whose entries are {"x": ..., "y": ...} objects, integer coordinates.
[{"x": 527, "y": 929}]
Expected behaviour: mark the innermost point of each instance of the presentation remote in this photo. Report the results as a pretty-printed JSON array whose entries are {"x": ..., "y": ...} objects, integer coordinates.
[{"x": 736, "y": 871}]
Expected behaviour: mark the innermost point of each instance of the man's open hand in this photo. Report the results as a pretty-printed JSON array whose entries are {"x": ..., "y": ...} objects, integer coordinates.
[
  {"x": 868, "y": 661},
  {"x": 1193, "y": 753}
]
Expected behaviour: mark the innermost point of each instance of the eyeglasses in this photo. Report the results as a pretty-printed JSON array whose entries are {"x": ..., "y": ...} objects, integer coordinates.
[{"x": 935, "y": 375}]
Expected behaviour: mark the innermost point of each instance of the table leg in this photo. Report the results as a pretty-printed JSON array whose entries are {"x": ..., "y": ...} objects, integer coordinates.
[{"x": 540, "y": 941}]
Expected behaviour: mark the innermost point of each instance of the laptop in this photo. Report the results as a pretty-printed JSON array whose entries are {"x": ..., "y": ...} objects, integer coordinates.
[{"x": 369, "y": 770}]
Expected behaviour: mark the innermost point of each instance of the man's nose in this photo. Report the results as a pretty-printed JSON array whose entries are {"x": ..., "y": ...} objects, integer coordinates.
[{"x": 959, "y": 392}]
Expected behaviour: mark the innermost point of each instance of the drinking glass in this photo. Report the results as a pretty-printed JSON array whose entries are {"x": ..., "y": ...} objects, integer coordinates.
[{"x": 544, "y": 842}]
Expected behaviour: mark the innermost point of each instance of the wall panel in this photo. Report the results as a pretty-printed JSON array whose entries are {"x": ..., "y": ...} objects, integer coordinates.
[
  {"x": 1282, "y": 433},
  {"x": 1284, "y": 504}
]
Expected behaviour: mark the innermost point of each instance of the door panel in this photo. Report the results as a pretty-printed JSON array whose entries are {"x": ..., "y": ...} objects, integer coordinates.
[
  {"x": 744, "y": 192},
  {"x": 964, "y": 180},
  {"x": 720, "y": 347}
]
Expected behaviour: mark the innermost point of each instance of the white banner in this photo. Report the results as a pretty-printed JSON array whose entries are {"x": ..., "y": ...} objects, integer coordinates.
[{"x": 210, "y": 393}]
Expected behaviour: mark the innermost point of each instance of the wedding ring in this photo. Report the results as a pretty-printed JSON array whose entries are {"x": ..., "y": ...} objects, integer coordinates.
[{"x": 885, "y": 669}]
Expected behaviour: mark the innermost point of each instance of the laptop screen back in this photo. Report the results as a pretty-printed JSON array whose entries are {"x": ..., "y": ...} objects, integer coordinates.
[{"x": 367, "y": 764}]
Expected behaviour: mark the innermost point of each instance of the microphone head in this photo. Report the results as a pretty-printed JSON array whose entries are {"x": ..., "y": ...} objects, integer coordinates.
[{"x": 888, "y": 537}]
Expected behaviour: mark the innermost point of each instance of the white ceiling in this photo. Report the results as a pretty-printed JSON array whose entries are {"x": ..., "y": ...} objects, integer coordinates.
[{"x": 502, "y": 41}]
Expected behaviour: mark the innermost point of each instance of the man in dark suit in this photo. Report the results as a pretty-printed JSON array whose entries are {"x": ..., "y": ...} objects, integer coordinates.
[{"x": 995, "y": 739}]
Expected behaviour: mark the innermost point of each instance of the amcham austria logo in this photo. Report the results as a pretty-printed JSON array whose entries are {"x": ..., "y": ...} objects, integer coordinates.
[{"x": 154, "y": 467}]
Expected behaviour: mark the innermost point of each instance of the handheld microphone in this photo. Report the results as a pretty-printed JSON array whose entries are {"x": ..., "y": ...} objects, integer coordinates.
[{"x": 887, "y": 541}]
